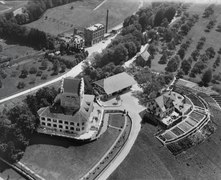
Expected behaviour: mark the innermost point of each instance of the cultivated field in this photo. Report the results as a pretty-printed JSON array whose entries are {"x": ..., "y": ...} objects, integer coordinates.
[
  {"x": 57, "y": 158},
  {"x": 11, "y": 81},
  {"x": 149, "y": 160},
  {"x": 212, "y": 37},
  {"x": 84, "y": 13},
  {"x": 198, "y": 31}
]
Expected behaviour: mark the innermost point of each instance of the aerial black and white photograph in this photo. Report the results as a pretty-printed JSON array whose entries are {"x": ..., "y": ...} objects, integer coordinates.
[{"x": 110, "y": 89}]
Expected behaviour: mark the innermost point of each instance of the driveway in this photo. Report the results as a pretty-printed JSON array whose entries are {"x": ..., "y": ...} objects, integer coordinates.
[{"x": 130, "y": 103}]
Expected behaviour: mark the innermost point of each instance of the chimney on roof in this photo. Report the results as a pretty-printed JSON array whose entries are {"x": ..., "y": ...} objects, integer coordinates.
[{"x": 107, "y": 20}]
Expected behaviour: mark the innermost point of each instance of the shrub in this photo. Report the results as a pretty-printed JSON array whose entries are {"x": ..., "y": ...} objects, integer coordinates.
[
  {"x": 3, "y": 74},
  {"x": 207, "y": 77},
  {"x": 33, "y": 70},
  {"x": 200, "y": 45},
  {"x": 44, "y": 76},
  {"x": 21, "y": 85},
  {"x": 39, "y": 73},
  {"x": 192, "y": 75},
  {"x": 163, "y": 59},
  {"x": 44, "y": 64},
  {"x": 63, "y": 68},
  {"x": 173, "y": 64},
  {"x": 210, "y": 52},
  {"x": 218, "y": 28},
  {"x": 24, "y": 73},
  {"x": 186, "y": 66},
  {"x": 198, "y": 67},
  {"x": 208, "y": 11},
  {"x": 195, "y": 54}
]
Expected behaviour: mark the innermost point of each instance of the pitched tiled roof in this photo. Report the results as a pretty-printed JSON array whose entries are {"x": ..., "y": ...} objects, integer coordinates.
[
  {"x": 81, "y": 115},
  {"x": 71, "y": 85},
  {"x": 163, "y": 101},
  {"x": 160, "y": 101},
  {"x": 145, "y": 55},
  {"x": 115, "y": 83}
]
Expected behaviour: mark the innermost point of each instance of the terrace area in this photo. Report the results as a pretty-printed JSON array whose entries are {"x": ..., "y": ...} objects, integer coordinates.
[
  {"x": 194, "y": 120},
  {"x": 217, "y": 99}
]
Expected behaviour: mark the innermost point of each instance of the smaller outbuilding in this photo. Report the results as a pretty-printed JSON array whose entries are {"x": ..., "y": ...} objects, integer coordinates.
[
  {"x": 143, "y": 56},
  {"x": 113, "y": 85}
]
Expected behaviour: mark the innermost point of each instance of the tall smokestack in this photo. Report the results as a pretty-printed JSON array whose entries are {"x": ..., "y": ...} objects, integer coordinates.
[{"x": 107, "y": 20}]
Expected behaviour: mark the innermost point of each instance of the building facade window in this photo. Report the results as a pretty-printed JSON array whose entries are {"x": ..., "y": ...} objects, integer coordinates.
[
  {"x": 49, "y": 124},
  {"x": 55, "y": 120},
  {"x": 60, "y": 121},
  {"x": 60, "y": 126},
  {"x": 43, "y": 123}
]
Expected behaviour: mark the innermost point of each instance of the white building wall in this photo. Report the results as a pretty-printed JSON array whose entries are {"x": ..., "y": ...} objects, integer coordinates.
[{"x": 60, "y": 125}]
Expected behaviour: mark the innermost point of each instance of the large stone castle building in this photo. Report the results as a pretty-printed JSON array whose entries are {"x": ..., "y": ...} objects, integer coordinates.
[{"x": 71, "y": 113}]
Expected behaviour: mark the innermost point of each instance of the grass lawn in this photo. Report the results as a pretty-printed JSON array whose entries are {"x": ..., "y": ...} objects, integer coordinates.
[
  {"x": 15, "y": 50},
  {"x": 149, "y": 160},
  {"x": 155, "y": 66},
  {"x": 116, "y": 120},
  {"x": 58, "y": 158},
  {"x": 64, "y": 18},
  {"x": 10, "y": 83}
]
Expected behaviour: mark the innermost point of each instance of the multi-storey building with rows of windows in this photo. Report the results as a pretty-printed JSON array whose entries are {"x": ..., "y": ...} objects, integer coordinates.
[
  {"x": 94, "y": 34},
  {"x": 71, "y": 113}
]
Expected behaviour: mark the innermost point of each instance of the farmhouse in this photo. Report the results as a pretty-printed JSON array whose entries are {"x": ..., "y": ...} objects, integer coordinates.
[
  {"x": 74, "y": 40},
  {"x": 73, "y": 112},
  {"x": 113, "y": 85},
  {"x": 94, "y": 34},
  {"x": 168, "y": 109}
]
